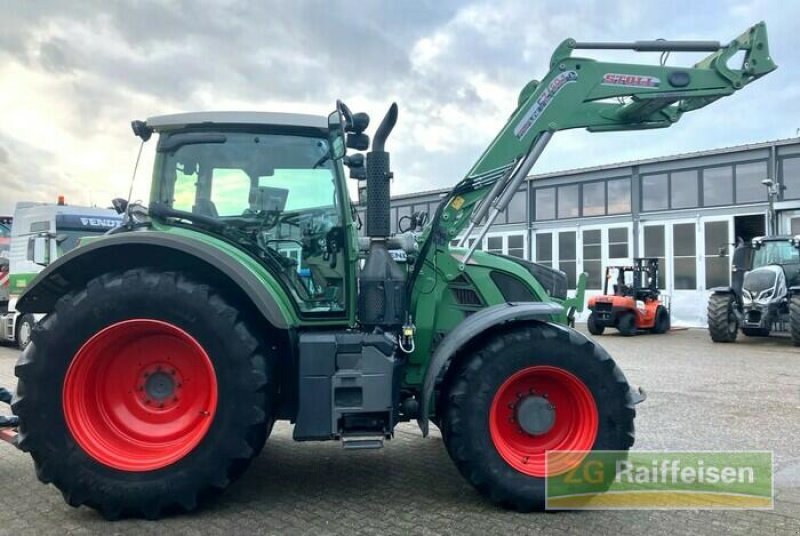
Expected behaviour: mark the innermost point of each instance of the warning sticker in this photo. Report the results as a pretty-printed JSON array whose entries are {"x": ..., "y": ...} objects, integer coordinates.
[{"x": 544, "y": 100}]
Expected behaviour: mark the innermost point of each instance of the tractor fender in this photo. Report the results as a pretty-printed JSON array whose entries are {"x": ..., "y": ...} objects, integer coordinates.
[
  {"x": 135, "y": 249},
  {"x": 470, "y": 328},
  {"x": 721, "y": 290}
]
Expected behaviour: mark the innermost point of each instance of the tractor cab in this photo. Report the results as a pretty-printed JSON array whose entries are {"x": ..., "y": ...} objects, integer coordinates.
[{"x": 631, "y": 300}]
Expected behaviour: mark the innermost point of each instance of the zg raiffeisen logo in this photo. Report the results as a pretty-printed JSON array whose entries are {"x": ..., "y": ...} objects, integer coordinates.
[{"x": 662, "y": 480}]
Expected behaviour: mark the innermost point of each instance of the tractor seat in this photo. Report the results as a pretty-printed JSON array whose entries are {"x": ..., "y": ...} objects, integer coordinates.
[{"x": 205, "y": 207}]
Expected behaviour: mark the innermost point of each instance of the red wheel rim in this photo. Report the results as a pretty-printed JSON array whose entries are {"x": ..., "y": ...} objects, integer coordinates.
[
  {"x": 571, "y": 410},
  {"x": 140, "y": 395}
]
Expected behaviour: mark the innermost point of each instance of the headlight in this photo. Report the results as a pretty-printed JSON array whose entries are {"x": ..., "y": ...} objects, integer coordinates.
[
  {"x": 765, "y": 296},
  {"x": 746, "y": 297}
]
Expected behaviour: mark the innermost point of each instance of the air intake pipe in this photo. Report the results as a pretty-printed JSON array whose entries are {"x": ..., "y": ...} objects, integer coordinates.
[{"x": 379, "y": 178}]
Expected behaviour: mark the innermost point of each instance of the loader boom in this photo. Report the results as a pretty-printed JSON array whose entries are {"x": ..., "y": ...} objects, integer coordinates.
[{"x": 601, "y": 97}]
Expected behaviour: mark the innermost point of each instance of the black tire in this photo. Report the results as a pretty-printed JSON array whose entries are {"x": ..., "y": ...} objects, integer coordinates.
[
  {"x": 24, "y": 329},
  {"x": 662, "y": 322},
  {"x": 593, "y": 326},
  {"x": 794, "y": 319},
  {"x": 242, "y": 366},
  {"x": 756, "y": 332},
  {"x": 470, "y": 387},
  {"x": 722, "y": 323},
  {"x": 626, "y": 323}
]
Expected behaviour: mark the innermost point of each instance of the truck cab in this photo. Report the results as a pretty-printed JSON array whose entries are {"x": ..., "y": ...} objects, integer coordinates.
[{"x": 59, "y": 228}]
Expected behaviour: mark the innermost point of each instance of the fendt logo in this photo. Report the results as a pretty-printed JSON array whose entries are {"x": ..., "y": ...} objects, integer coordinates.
[
  {"x": 99, "y": 222},
  {"x": 630, "y": 80}
]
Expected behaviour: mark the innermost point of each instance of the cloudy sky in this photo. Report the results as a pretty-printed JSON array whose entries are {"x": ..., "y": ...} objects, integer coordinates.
[{"x": 73, "y": 75}]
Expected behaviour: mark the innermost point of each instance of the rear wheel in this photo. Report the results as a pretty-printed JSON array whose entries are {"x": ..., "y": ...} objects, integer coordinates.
[
  {"x": 594, "y": 327},
  {"x": 722, "y": 323},
  {"x": 143, "y": 393},
  {"x": 626, "y": 323},
  {"x": 662, "y": 322},
  {"x": 794, "y": 319},
  {"x": 526, "y": 391}
]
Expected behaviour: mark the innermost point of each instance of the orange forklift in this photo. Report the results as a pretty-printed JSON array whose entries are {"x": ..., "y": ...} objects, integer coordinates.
[{"x": 634, "y": 303}]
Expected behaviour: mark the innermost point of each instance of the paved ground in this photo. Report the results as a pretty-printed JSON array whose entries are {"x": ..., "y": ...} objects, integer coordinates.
[{"x": 701, "y": 396}]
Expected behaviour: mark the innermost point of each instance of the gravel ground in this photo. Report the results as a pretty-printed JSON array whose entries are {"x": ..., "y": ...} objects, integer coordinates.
[{"x": 700, "y": 396}]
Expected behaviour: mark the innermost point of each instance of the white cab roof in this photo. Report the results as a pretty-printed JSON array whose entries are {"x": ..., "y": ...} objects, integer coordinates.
[{"x": 175, "y": 121}]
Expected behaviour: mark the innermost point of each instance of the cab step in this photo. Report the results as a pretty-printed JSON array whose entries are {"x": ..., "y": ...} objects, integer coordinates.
[{"x": 363, "y": 441}]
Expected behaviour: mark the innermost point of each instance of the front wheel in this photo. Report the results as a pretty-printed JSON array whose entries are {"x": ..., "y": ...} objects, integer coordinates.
[
  {"x": 722, "y": 323},
  {"x": 142, "y": 393},
  {"x": 794, "y": 319},
  {"x": 529, "y": 390},
  {"x": 662, "y": 321},
  {"x": 626, "y": 324},
  {"x": 24, "y": 329}
]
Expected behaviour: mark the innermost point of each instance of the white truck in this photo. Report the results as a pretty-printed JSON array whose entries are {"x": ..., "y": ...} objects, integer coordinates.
[{"x": 65, "y": 225}]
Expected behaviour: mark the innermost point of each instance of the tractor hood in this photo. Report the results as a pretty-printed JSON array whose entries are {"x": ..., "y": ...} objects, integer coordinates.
[{"x": 764, "y": 285}]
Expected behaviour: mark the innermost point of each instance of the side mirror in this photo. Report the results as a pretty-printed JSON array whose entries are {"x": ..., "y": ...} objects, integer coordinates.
[
  {"x": 336, "y": 134},
  {"x": 119, "y": 205},
  {"x": 356, "y": 164},
  {"x": 39, "y": 250}
]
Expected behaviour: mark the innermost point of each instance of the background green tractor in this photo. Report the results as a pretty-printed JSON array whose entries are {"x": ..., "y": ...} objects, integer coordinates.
[{"x": 237, "y": 298}]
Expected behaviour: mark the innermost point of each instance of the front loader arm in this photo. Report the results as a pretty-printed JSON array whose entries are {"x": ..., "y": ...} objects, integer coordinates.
[{"x": 599, "y": 96}]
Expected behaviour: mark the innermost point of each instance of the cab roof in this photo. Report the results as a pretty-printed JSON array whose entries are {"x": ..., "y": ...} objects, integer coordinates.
[{"x": 161, "y": 123}]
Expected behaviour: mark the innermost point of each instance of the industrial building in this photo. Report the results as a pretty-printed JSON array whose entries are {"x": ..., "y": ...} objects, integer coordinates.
[{"x": 685, "y": 209}]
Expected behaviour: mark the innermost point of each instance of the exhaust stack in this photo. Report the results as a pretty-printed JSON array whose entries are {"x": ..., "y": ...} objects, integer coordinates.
[{"x": 381, "y": 297}]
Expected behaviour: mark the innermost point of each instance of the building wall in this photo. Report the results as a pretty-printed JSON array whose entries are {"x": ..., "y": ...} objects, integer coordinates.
[{"x": 687, "y": 210}]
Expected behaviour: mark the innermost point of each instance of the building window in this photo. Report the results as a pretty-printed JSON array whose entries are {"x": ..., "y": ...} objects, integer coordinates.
[
  {"x": 790, "y": 177},
  {"x": 544, "y": 249},
  {"x": 748, "y": 182},
  {"x": 655, "y": 247},
  {"x": 593, "y": 258},
  {"x": 516, "y": 246},
  {"x": 655, "y": 192},
  {"x": 619, "y": 196},
  {"x": 568, "y": 206},
  {"x": 683, "y": 186},
  {"x": 684, "y": 237},
  {"x": 545, "y": 203},
  {"x": 594, "y": 199},
  {"x": 471, "y": 241},
  {"x": 716, "y": 244},
  {"x": 517, "y": 208},
  {"x": 617, "y": 242},
  {"x": 567, "y": 260},
  {"x": 494, "y": 244},
  {"x": 718, "y": 186}
]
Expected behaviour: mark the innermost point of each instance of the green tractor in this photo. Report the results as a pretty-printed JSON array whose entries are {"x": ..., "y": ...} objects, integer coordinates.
[{"x": 243, "y": 294}]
